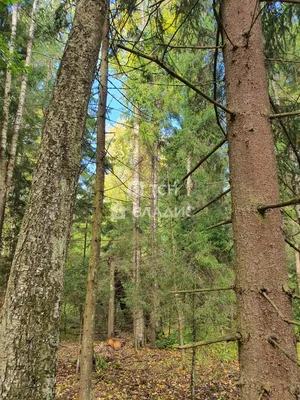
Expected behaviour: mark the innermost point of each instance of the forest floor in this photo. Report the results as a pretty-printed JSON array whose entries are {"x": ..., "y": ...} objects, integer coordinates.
[{"x": 147, "y": 374}]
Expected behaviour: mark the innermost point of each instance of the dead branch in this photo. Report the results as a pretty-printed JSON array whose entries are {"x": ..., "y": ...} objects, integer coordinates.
[
  {"x": 292, "y": 245},
  {"x": 226, "y": 222},
  {"x": 176, "y": 76},
  {"x": 231, "y": 338},
  {"x": 192, "y": 47},
  {"x": 283, "y": 60},
  {"x": 263, "y": 293},
  {"x": 291, "y": 202},
  {"x": 290, "y": 292},
  {"x": 286, "y": 114},
  {"x": 217, "y": 146},
  {"x": 202, "y": 290},
  {"x": 282, "y": 1},
  {"x": 274, "y": 343},
  {"x": 212, "y": 201}
]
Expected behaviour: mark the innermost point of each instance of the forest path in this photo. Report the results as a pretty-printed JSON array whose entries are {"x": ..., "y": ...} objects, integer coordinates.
[{"x": 147, "y": 374}]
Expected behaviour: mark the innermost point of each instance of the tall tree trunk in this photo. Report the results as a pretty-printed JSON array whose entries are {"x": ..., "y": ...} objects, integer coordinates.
[
  {"x": 18, "y": 121},
  {"x": 297, "y": 254},
  {"x": 5, "y": 118},
  {"x": 178, "y": 301},
  {"x": 258, "y": 239},
  {"x": 154, "y": 224},
  {"x": 112, "y": 297},
  {"x": 87, "y": 350},
  {"x": 29, "y": 329},
  {"x": 138, "y": 313}
]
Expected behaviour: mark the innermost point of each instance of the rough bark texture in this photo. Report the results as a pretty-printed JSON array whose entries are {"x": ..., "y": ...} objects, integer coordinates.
[
  {"x": 111, "y": 303},
  {"x": 29, "y": 329},
  {"x": 87, "y": 348},
  {"x": 154, "y": 225},
  {"x": 5, "y": 118},
  {"x": 258, "y": 240},
  {"x": 138, "y": 313}
]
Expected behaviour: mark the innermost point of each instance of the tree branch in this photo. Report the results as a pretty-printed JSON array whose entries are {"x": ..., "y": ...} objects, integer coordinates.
[
  {"x": 202, "y": 290},
  {"x": 176, "y": 76},
  {"x": 274, "y": 343},
  {"x": 286, "y": 114},
  {"x": 263, "y": 293},
  {"x": 212, "y": 201},
  {"x": 217, "y": 146},
  {"x": 234, "y": 338},
  {"x": 226, "y": 222},
  {"x": 292, "y": 245},
  {"x": 192, "y": 47},
  {"x": 282, "y": 1},
  {"x": 285, "y": 130},
  {"x": 291, "y": 202}
]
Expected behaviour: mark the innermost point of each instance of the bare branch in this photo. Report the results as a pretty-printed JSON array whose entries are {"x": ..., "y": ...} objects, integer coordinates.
[
  {"x": 212, "y": 201},
  {"x": 282, "y": 1},
  {"x": 283, "y": 60},
  {"x": 263, "y": 293},
  {"x": 192, "y": 47},
  {"x": 274, "y": 343},
  {"x": 226, "y": 222},
  {"x": 292, "y": 245},
  {"x": 283, "y": 115},
  {"x": 176, "y": 76},
  {"x": 231, "y": 338},
  {"x": 202, "y": 290},
  {"x": 217, "y": 146},
  {"x": 291, "y": 202}
]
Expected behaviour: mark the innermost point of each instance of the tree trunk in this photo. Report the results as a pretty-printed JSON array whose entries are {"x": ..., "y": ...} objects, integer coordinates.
[
  {"x": 29, "y": 329},
  {"x": 189, "y": 179},
  {"x": 154, "y": 224},
  {"x": 178, "y": 301},
  {"x": 18, "y": 121},
  {"x": 138, "y": 313},
  {"x": 87, "y": 350},
  {"x": 258, "y": 239},
  {"x": 5, "y": 118},
  {"x": 112, "y": 296},
  {"x": 297, "y": 254}
]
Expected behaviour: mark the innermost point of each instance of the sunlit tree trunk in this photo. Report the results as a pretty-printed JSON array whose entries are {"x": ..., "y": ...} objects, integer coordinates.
[
  {"x": 266, "y": 371},
  {"x": 5, "y": 118},
  {"x": 29, "y": 328},
  {"x": 87, "y": 348},
  {"x": 138, "y": 313}
]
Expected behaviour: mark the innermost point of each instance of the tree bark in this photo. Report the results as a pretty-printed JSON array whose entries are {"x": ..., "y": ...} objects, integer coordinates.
[
  {"x": 87, "y": 349},
  {"x": 29, "y": 329},
  {"x": 138, "y": 313},
  {"x": 154, "y": 225},
  {"x": 5, "y": 118},
  {"x": 18, "y": 121},
  {"x": 112, "y": 297},
  {"x": 258, "y": 240}
]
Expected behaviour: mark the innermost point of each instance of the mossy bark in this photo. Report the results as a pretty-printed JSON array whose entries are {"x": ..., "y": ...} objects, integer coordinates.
[
  {"x": 258, "y": 239},
  {"x": 29, "y": 328}
]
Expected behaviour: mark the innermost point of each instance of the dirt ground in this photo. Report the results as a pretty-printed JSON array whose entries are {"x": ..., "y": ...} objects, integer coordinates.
[{"x": 147, "y": 374}]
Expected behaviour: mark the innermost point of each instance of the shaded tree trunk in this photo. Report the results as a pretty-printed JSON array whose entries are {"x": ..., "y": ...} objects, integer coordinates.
[
  {"x": 112, "y": 297},
  {"x": 258, "y": 239},
  {"x": 87, "y": 348},
  {"x": 18, "y": 121},
  {"x": 138, "y": 313},
  {"x": 5, "y": 119},
  {"x": 154, "y": 224},
  {"x": 29, "y": 329}
]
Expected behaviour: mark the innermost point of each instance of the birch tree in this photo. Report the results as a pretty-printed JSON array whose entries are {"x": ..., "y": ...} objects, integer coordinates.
[{"x": 29, "y": 329}]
